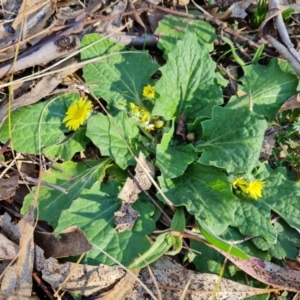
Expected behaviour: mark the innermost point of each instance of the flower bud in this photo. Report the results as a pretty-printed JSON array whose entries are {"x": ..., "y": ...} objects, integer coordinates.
[
  {"x": 159, "y": 123},
  {"x": 190, "y": 137}
]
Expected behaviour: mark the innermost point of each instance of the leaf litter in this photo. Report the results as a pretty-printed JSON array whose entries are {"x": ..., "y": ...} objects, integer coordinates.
[
  {"x": 84, "y": 279},
  {"x": 190, "y": 103}
]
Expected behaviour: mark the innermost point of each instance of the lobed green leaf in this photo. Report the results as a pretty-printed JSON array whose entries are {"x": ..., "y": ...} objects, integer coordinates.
[
  {"x": 267, "y": 87},
  {"x": 110, "y": 135},
  {"x": 206, "y": 193},
  {"x": 119, "y": 78},
  {"x": 74, "y": 177},
  {"x": 173, "y": 160},
  {"x": 232, "y": 139},
  {"x": 38, "y": 127},
  {"x": 172, "y": 29},
  {"x": 188, "y": 85},
  {"x": 93, "y": 212}
]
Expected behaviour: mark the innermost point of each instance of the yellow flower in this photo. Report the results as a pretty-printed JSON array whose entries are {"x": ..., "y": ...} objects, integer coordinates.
[
  {"x": 240, "y": 183},
  {"x": 254, "y": 189},
  {"x": 149, "y": 91},
  {"x": 134, "y": 109},
  {"x": 145, "y": 116},
  {"x": 149, "y": 127},
  {"x": 77, "y": 113}
]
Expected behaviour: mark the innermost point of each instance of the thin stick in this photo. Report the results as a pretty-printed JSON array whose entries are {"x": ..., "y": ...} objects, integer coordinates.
[
  {"x": 43, "y": 183},
  {"x": 9, "y": 166},
  {"x": 286, "y": 54}
]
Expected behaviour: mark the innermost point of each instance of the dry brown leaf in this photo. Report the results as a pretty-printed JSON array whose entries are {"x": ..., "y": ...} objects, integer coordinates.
[
  {"x": 180, "y": 130},
  {"x": 268, "y": 144},
  {"x": 293, "y": 264},
  {"x": 154, "y": 18},
  {"x": 267, "y": 272},
  {"x": 8, "y": 187},
  {"x": 8, "y": 249},
  {"x": 292, "y": 103},
  {"x": 173, "y": 278},
  {"x": 30, "y": 14},
  {"x": 126, "y": 217},
  {"x": 5, "y": 146},
  {"x": 241, "y": 93},
  {"x": 236, "y": 10},
  {"x": 84, "y": 279},
  {"x": 72, "y": 241},
  {"x": 17, "y": 280},
  {"x": 129, "y": 192},
  {"x": 132, "y": 188},
  {"x": 135, "y": 16},
  {"x": 110, "y": 26},
  {"x": 121, "y": 289},
  {"x": 239, "y": 9}
]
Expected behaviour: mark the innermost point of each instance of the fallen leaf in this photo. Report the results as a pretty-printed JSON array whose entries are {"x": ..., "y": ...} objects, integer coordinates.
[
  {"x": 70, "y": 242},
  {"x": 122, "y": 288},
  {"x": 268, "y": 272},
  {"x": 132, "y": 188},
  {"x": 180, "y": 130},
  {"x": 241, "y": 93},
  {"x": 8, "y": 187},
  {"x": 5, "y": 146},
  {"x": 293, "y": 264},
  {"x": 35, "y": 14},
  {"x": 126, "y": 217},
  {"x": 268, "y": 143},
  {"x": 86, "y": 280},
  {"x": 172, "y": 279},
  {"x": 239, "y": 9},
  {"x": 17, "y": 279},
  {"x": 8, "y": 249},
  {"x": 292, "y": 103}
]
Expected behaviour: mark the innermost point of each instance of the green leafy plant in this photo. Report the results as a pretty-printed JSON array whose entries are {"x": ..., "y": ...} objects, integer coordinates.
[
  {"x": 260, "y": 13},
  {"x": 206, "y": 156},
  {"x": 287, "y": 13},
  {"x": 288, "y": 148}
]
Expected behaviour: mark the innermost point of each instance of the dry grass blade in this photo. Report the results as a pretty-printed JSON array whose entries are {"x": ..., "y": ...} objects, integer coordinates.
[
  {"x": 159, "y": 295},
  {"x": 184, "y": 292}
]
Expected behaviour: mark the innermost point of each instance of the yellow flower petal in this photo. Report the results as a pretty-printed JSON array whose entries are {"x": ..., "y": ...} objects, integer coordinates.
[
  {"x": 134, "y": 109},
  {"x": 149, "y": 127},
  {"x": 77, "y": 113},
  {"x": 254, "y": 189},
  {"x": 145, "y": 116},
  {"x": 149, "y": 92},
  {"x": 239, "y": 182}
]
